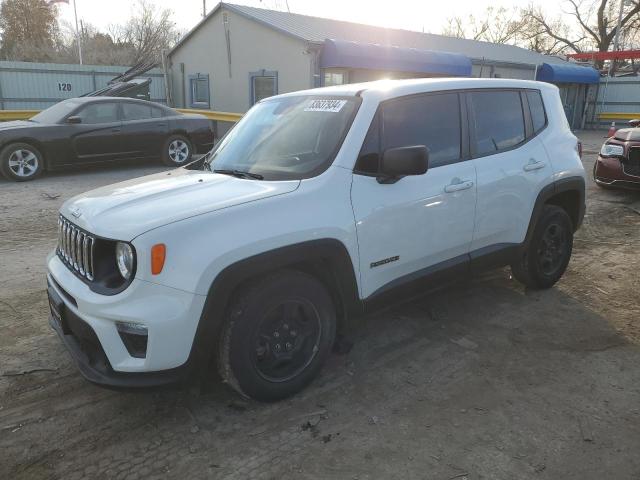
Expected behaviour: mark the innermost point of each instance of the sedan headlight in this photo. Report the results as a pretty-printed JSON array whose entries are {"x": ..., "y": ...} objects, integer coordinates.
[
  {"x": 610, "y": 150},
  {"x": 124, "y": 259}
]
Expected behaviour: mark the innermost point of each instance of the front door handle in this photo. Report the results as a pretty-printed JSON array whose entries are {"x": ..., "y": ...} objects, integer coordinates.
[
  {"x": 115, "y": 130},
  {"x": 456, "y": 185},
  {"x": 533, "y": 165}
]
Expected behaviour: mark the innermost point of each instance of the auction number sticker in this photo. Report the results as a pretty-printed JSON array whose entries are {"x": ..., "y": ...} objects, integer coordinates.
[{"x": 333, "y": 106}]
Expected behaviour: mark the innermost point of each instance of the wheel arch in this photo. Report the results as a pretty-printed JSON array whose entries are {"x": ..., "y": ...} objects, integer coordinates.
[
  {"x": 567, "y": 193},
  {"x": 326, "y": 259},
  {"x": 33, "y": 142}
]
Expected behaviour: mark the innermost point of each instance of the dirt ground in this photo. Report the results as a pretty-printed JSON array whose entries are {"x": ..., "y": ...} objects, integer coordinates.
[{"x": 481, "y": 381}]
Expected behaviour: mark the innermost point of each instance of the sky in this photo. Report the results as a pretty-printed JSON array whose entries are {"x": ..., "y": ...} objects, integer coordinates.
[{"x": 430, "y": 16}]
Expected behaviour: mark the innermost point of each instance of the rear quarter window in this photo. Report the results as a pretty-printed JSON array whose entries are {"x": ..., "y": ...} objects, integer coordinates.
[{"x": 536, "y": 107}]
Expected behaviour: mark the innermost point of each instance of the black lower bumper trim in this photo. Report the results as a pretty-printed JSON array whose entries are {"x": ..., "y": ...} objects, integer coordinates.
[
  {"x": 102, "y": 373},
  {"x": 82, "y": 343}
]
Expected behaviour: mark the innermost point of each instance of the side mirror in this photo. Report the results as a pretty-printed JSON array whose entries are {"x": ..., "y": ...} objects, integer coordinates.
[
  {"x": 402, "y": 161},
  {"x": 75, "y": 119}
]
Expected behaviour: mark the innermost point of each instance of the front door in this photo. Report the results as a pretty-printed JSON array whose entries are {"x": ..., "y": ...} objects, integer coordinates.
[
  {"x": 423, "y": 223},
  {"x": 96, "y": 137}
]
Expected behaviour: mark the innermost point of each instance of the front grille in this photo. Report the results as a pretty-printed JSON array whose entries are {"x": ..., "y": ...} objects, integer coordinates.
[
  {"x": 75, "y": 248},
  {"x": 631, "y": 165}
]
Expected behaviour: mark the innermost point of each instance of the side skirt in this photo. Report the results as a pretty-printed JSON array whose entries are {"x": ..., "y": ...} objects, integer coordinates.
[{"x": 441, "y": 275}]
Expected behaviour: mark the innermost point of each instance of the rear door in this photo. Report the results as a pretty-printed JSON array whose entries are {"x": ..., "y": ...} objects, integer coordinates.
[
  {"x": 511, "y": 162},
  {"x": 95, "y": 139},
  {"x": 424, "y": 223},
  {"x": 144, "y": 129}
]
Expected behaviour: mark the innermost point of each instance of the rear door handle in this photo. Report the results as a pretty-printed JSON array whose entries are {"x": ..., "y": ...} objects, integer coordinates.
[
  {"x": 115, "y": 130},
  {"x": 533, "y": 165},
  {"x": 458, "y": 185}
]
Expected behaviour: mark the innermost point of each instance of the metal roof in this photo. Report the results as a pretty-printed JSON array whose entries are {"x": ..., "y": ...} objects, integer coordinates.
[
  {"x": 341, "y": 53},
  {"x": 317, "y": 30}
]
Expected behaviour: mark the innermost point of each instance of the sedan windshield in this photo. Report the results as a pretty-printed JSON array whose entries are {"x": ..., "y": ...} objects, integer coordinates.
[
  {"x": 56, "y": 113},
  {"x": 286, "y": 138}
]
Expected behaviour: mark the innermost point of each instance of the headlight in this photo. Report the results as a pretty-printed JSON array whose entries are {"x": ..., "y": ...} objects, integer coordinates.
[
  {"x": 124, "y": 259},
  {"x": 610, "y": 150}
]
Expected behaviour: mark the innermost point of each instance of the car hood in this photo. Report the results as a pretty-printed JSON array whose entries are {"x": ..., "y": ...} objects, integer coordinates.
[
  {"x": 628, "y": 134},
  {"x": 16, "y": 124},
  {"x": 125, "y": 210}
]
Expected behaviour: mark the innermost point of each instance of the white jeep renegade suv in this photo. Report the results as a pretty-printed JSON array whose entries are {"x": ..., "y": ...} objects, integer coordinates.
[{"x": 317, "y": 206}]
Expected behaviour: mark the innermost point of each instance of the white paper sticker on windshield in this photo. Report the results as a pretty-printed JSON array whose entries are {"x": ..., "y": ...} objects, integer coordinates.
[{"x": 333, "y": 106}]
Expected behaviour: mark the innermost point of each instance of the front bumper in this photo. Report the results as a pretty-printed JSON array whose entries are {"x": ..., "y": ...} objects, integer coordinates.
[
  {"x": 609, "y": 171},
  {"x": 88, "y": 328}
]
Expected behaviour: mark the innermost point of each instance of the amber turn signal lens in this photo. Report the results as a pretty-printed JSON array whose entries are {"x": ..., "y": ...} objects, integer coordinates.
[{"x": 158, "y": 254}]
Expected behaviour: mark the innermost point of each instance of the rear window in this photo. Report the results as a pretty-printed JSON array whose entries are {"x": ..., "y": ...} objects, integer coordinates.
[
  {"x": 139, "y": 111},
  {"x": 499, "y": 122},
  {"x": 538, "y": 116}
]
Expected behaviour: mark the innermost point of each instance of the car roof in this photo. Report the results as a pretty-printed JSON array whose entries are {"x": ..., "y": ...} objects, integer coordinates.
[
  {"x": 384, "y": 89},
  {"x": 82, "y": 100}
]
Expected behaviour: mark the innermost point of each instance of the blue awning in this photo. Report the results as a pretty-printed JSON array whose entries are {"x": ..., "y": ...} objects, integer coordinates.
[
  {"x": 567, "y": 73},
  {"x": 343, "y": 54}
]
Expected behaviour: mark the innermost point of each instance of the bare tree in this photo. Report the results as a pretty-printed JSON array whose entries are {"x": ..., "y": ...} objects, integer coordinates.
[
  {"x": 29, "y": 30},
  {"x": 148, "y": 32},
  {"x": 592, "y": 25},
  {"x": 494, "y": 25},
  {"x": 99, "y": 48}
]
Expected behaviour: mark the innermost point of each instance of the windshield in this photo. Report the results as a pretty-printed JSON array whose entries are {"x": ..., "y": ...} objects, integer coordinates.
[
  {"x": 55, "y": 113},
  {"x": 286, "y": 138}
]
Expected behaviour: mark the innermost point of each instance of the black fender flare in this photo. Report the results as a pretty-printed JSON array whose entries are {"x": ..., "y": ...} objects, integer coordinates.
[
  {"x": 329, "y": 254},
  {"x": 568, "y": 184}
]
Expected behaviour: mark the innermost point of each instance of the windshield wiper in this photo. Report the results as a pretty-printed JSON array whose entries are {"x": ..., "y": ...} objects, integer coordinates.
[{"x": 240, "y": 174}]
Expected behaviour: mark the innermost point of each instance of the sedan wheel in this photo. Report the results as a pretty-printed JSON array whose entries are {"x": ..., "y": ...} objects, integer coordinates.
[
  {"x": 20, "y": 162},
  {"x": 178, "y": 151},
  {"x": 23, "y": 163}
]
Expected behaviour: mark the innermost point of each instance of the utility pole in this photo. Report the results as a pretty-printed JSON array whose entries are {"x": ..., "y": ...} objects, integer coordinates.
[
  {"x": 204, "y": 8},
  {"x": 75, "y": 12}
]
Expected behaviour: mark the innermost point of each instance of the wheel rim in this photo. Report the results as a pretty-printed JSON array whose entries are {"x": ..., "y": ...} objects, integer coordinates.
[
  {"x": 23, "y": 162},
  {"x": 553, "y": 249},
  {"x": 178, "y": 151},
  {"x": 287, "y": 340}
]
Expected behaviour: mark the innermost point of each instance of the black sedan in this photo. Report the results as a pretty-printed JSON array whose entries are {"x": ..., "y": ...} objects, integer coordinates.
[{"x": 91, "y": 130}]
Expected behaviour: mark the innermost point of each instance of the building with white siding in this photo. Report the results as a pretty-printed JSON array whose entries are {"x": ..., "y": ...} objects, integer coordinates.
[{"x": 238, "y": 55}]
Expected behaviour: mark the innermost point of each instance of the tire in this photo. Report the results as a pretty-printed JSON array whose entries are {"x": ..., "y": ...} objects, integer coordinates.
[
  {"x": 548, "y": 252},
  {"x": 21, "y": 162},
  {"x": 277, "y": 335},
  {"x": 177, "y": 151}
]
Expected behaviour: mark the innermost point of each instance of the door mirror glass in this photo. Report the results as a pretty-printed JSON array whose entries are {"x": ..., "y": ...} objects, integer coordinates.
[
  {"x": 402, "y": 161},
  {"x": 74, "y": 119}
]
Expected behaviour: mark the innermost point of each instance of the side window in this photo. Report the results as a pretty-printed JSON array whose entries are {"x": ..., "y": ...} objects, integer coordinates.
[
  {"x": 157, "y": 112},
  {"x": 431, "y": 120},
  {"x": 136, "y": 111},
  {"x": 499, "y": 121},
  {"x": 102, "y": 112},
  {"x": 369, "y": 158},
  {"x": 538, "y": 116}
]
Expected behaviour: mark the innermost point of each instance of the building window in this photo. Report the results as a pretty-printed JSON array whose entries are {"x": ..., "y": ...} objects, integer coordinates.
[
  {"x": 263, "y": 84},
  {"x": 334, "y": 78},
  {"x": 199, "y": 91}
]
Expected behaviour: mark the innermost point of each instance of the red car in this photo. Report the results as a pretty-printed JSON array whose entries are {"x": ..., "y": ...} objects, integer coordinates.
[{"x": 618, "y": 164}]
